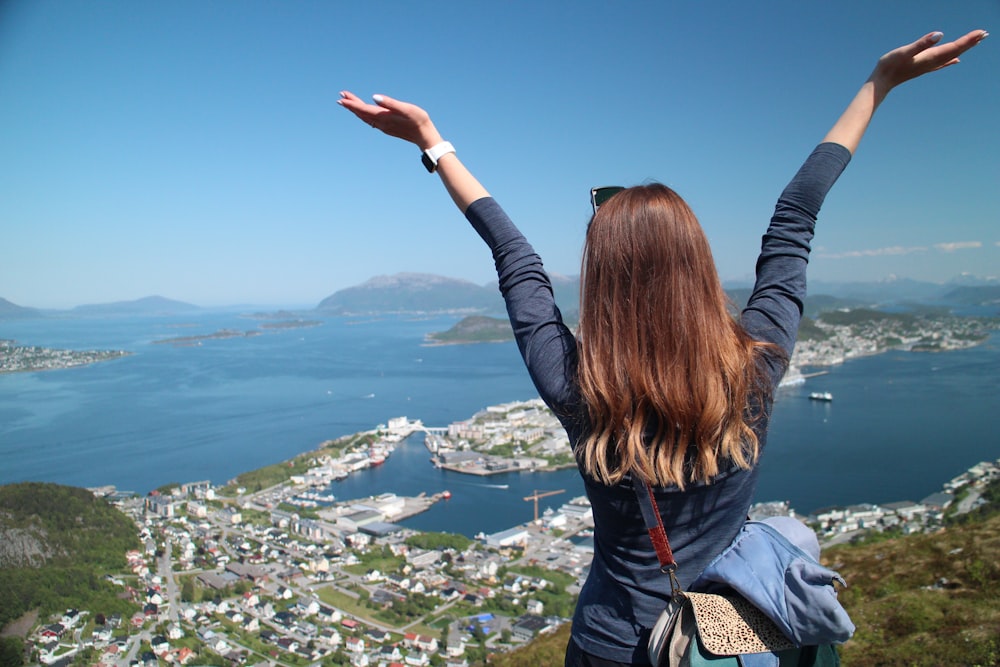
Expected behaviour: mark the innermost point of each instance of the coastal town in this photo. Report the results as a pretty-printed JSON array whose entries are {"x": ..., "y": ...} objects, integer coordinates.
[
  {"x": 848, "y": 334},
  {"x": 287, "y": 574},
  {"x": 20, "y": 358},
  {"x": 274, "y": 568}
]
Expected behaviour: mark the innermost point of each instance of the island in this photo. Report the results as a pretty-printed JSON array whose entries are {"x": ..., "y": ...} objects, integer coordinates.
[
  {"x": 291, "y": 324},
  {"x": 222, "y": 334},
  {"x": 473, "y": 329},
  {"x": 16, "y": 358}
]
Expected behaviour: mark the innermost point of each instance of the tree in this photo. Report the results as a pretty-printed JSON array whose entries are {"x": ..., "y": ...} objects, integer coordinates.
[
  {"x": 478, "y": 633},
  {"x": 11, "y": 652},
  {"x": 188, "y": 591},
  {"x": 444, "y": 636}
]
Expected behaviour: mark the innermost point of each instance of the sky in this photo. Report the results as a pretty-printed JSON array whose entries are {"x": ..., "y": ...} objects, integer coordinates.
[{"x": 195, "y": 150}]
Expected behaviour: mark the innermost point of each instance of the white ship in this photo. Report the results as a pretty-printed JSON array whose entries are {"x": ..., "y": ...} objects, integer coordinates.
[{"x": 821, "y": 396}]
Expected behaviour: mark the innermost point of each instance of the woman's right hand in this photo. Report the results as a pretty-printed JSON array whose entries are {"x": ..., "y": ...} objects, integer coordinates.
[{"x": 397, "y": 119}]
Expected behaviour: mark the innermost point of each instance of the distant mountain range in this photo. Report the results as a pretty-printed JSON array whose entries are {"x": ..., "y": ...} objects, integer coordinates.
[
  {"x": 962, "y": 291},
  {"x": 150, "y": 305},
  {"x": 427, "y": 293},
  {"x": 414, "y": 292},
  {"x": 11, "y": 311},
  {"x": 410, "y": 292}
]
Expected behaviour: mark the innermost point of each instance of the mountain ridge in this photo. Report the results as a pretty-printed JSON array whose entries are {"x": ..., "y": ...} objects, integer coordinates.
[
  {"x": 410, "y": 292},
  {"x": 10, "y": 310},
  {"x": 149, "y": 305}
]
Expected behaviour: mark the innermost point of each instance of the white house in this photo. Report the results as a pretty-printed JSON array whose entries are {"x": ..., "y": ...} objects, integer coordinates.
[{"x": 508, "y": 538}]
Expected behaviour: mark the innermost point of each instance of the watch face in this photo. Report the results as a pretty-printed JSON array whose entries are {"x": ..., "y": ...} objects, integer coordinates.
[{"x": 427, "y": 162}]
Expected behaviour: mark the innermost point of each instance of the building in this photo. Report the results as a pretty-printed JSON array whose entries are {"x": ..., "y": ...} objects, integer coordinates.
[
  {"x": 530, "y": 626},
  {"x": 512, "y": 537}
]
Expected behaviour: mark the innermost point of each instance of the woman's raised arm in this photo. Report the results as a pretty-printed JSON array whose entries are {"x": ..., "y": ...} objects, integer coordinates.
[
  {"x": 896, "y": 67},
  {"x": 411, "y": 123}
]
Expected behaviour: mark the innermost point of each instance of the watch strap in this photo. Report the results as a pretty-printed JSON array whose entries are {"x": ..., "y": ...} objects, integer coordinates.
[{"x": 431, "y": 156}]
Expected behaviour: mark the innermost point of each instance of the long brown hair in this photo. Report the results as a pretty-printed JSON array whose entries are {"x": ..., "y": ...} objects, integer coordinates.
[{"x": 666, "y": 372}]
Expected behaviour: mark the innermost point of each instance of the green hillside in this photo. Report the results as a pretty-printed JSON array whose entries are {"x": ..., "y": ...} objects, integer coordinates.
[
  {"x": 929, "y": 599},
  {"x": 921, "y": 600},
  {"x": 57, "y": 543},
  {"x": 475, "y": 329}
]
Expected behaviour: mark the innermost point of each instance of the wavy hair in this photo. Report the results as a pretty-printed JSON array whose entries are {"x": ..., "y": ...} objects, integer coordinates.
[{"x": 667, "y": 374}]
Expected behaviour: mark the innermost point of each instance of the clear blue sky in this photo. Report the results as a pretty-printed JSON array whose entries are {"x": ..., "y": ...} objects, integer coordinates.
[{"x": 194, "y": 149}]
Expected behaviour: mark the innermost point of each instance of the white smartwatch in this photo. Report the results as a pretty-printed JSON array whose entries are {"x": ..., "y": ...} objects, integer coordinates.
[{"x": 431, "y": 156}]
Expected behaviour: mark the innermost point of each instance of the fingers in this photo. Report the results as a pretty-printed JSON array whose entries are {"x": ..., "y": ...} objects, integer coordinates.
[
  {"x": 920, "y": 45},
  {"x": 945, "y": 55},
  {"x": 968, "y": 40},
  {"x": 364, "y": 111},
  {"x": 924, "y": 55},
  {"x": 385, "y": 101},
  {"x": 949, "y": 50},
  {"x": 928, "y": 40},
  {"x": 351, "y": 102}
]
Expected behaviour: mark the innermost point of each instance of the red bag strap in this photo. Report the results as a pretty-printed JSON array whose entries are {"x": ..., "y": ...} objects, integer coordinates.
[{"x": 657, "y": 533}]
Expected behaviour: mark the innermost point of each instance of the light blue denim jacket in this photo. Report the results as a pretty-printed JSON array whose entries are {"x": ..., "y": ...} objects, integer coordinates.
[{"x": 783, "y": 581}]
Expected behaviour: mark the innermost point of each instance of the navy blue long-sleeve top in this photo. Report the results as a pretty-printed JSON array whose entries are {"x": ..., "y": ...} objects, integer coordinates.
[{"x": 625, "y": 590}]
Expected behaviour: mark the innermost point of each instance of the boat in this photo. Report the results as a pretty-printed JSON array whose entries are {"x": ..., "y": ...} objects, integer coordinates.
[{"x": 821, "y": 396}]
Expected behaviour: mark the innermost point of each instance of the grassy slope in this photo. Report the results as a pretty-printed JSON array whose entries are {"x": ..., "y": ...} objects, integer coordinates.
[
  {"x": 75, "y": 540},
  {"x": 924, "y": 599},
  {"x": 918, "y": 600}
]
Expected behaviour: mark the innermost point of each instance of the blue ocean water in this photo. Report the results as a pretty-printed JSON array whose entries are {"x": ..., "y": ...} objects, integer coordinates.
[{"x": 900, "y": 425}]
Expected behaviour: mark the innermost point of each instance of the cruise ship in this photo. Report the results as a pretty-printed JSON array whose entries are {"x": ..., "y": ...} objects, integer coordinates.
[{"x": 821, "y": 396}]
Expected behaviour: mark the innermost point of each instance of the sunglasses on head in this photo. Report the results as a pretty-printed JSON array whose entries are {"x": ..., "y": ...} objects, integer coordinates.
[{"x": 600, "y": 195}]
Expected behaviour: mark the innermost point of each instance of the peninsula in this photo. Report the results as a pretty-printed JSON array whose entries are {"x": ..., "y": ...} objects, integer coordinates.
[
  {"x": 16, "y": 358},
  {"x": 830, "y": 339}
]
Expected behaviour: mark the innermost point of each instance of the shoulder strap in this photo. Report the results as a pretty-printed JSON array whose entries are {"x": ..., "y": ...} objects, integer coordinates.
[{"x": 657, "y": 533}]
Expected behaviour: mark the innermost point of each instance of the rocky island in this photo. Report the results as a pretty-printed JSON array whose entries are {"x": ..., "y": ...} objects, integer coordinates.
[
  {"x": 473, "y": 329},
  {"x": 223, "y": 334}
]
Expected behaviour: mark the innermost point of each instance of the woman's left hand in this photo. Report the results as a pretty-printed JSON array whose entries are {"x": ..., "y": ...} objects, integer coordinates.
[
  {"x": 397, "y": 119},
  {"x": 922, "y": 56}
]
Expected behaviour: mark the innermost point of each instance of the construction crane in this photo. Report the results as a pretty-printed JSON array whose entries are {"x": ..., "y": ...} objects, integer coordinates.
[{"x": 543, "y": 494}]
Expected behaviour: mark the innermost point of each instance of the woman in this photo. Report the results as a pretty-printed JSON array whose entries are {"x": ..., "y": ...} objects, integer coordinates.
[{"x": 662, "y": 383}]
